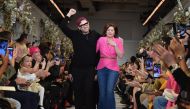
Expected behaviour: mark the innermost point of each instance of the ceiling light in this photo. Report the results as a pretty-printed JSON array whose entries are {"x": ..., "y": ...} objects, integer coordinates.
[
  {"x": 157, "y": 7},
  {"x": 57, "y": 8}
]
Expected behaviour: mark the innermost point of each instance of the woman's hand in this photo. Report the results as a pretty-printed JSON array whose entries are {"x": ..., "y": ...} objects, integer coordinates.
[
  {"x": 165, "y": 55},
  {"x": 177, "y": 47},
  {"x": 50, "y": 63},
  {"x": 111, "y": 42}
]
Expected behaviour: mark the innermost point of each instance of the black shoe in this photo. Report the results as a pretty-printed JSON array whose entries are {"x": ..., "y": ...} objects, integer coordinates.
[
  {"x": 123, "y": 101},
  {"x": 40, "y": 107}
]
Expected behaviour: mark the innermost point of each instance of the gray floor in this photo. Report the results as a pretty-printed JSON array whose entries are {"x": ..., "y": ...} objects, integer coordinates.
[{"x": 118, "y": 104}]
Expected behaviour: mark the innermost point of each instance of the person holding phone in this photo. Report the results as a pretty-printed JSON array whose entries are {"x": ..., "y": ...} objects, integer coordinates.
[
  {"x": 7, "y": 42},
  {"x": 110, "y": 48},
  {"x": 9, "y": 72}
]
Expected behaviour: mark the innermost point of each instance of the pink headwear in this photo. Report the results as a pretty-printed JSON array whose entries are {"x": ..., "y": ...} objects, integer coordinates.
[{"x": 33, "y": 50}]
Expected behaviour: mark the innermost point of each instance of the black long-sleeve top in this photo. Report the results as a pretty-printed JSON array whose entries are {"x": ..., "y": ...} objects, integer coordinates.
[
  {"x": 84, "y": 46},
  {"x": 182, "y": 79}
]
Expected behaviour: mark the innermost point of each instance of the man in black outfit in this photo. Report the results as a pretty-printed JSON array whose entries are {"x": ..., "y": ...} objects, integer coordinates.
[{"x": 84, "y": 60}]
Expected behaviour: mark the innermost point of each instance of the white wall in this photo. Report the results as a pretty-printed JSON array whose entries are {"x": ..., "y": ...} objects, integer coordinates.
[
  {"x": 130, "y": 27},
  {"x": 130, "y": 50},
  {"x": 129, "y": 24}
]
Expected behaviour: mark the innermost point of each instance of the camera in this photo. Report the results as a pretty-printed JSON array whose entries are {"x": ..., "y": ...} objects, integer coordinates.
[
  {"x": 142, "y": 53},
  {"x": 149, "y": 64}
]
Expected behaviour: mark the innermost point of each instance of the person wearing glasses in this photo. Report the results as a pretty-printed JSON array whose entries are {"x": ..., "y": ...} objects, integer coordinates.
[{"x": 84, "y": 60}]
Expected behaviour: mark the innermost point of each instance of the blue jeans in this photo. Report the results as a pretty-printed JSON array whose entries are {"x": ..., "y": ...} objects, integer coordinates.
[
  {"x": 107, "y": 79},
  {"x": 160, "y": 102}
]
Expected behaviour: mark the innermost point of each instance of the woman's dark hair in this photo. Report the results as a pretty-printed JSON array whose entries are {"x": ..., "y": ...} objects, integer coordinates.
[
  {"x": 44, "y": 51},
  {"x": 22, "y": 37},
  {"x": 133, "y": 59},
  {"x": 44, "y": 48},
  {"x": 6, "y": 35},
  {"x": 28, "y": 45},
  {"x": 111, "y": 25}
]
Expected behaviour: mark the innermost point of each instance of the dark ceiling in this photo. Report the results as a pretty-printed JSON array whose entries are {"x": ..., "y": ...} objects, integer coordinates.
[{"x": 93, "y": 6}]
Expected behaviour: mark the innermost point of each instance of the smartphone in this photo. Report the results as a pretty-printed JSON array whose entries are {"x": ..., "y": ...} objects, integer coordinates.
[
  {"x": 179, "y": 28},
  {"x": 182, "y": 31},
  {"x": 10, "y": 52},
  {"x": 3, "y": 46},
  {"x": 157, "y": 70},
  {"x": 149, "y": 64}
]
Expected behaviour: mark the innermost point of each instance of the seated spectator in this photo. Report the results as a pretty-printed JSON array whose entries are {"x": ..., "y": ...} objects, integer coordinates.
[
  {"x": 25, "y": 71},
  {"x": 178, "y": 70},
  {"x": 7, "y": 72}
]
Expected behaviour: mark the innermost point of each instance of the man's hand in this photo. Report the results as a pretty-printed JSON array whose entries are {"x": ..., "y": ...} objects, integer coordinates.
[{"x": 71, "y": 12}]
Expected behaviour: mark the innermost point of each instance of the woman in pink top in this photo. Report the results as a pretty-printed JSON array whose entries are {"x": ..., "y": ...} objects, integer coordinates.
[{"x": 110, "y": 48}]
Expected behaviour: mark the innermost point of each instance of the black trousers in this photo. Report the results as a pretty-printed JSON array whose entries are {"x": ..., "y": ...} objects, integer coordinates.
[
  {"x": 137, "y": 97},
  {"x": 84, "y": 88},
  {"x": 28, "y": 100}
]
